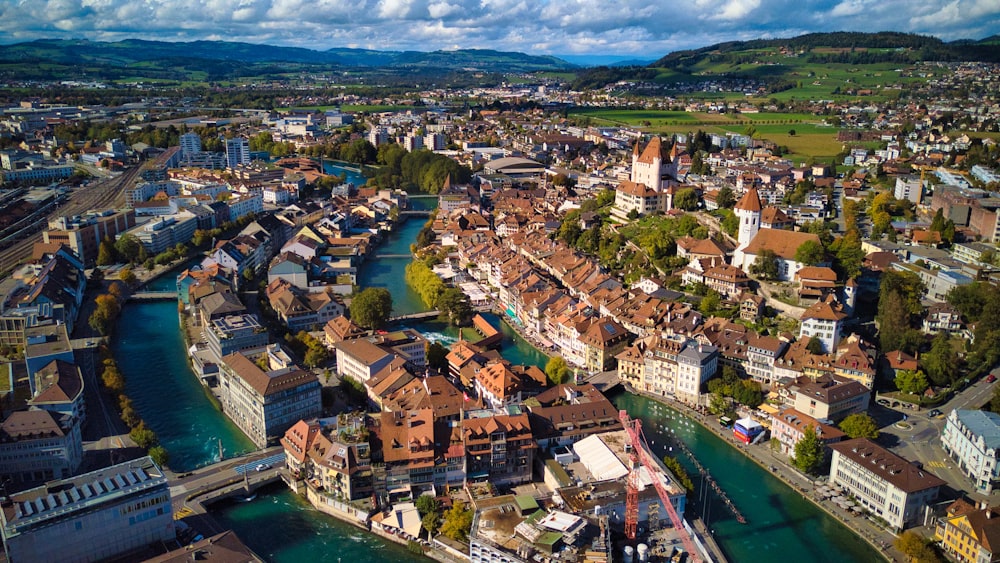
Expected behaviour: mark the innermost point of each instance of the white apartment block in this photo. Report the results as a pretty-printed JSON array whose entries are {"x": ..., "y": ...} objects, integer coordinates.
[
  {"x": 266, "y": 403},
  {"x": 972, "y": 439},
  {"x": 885, "y": 484}
]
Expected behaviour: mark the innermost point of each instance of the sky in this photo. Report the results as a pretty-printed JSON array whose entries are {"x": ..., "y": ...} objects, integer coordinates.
[{"x": 636, "y": 28}]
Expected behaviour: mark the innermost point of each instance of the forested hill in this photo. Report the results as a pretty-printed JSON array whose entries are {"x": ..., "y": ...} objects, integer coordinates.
[
  {"x": 844, "y": 47},
  {"x": 132, "y": 52}
]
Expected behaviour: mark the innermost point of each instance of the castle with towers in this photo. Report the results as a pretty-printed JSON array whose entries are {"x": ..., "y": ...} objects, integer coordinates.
[{"x": 651, "y": 184}]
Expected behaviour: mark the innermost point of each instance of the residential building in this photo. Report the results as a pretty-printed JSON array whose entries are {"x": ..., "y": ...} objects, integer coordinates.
[
  {"x": 788, "y": 426},
  {"x": 96, "y": 516},
  {"x": 59, "y": 390},
  {"x": 889, "y": 486},
  {"x": 83, "y": 234},
  {"x": 359, "y": 359},
  {"x": 265, "y": 400},
  {"x": 333, "y": 457},
  {"x": 942, "y": 317},
  {"x": 674, "y": 366},
  {"x": 499, "y": 446},
  {"x": 909, "y": 188},
  {"x": 190, "y": 144},
  {"x": 233, "y": 333},
  {"x": 165, "y": 232},
  {"x": 237, "y": 152},
  {"x": 823, "y": 321},
  {"x": 567, "y": 413},
  {"x": 302, "y": 310},
  {"x": 830, "y": 398},
  {"x": 972, "y": 439},
  {"x": 970, "y": 533},
  {"x": 45, "y": 344},
  {"x": 38, "y": 446},
  {"x": 339, "y": 329}
]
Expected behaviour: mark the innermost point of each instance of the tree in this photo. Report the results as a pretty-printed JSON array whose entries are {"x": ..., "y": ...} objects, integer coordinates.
[
  {"x": 915, "y": 547},
  {"x": 437, "y": 356},
  {"x": 808, "y": 451},
  {"x": 128, "y": 247},
  {"x": 810, "y": 253},
  {"x": 127, "y": 276},
  {"x": 143, "y": 436},
  {"x": 747, "y": 392},
  {"x": 454, "y": 303},
  {"x": 859, "y": 425},
  {"x": 371, "y": 308},
  {"x": 557, "y": 370},
  {"x": 941, "y": 362},
  {"x": 430, "y": 523},
  {"x": 105, "y": 253},
  {"x": 457, "y": 522},
  {"x": 678, "y": 470},
  {"x": 765, "y": 265},
  {"x": 725, "y": 199},
  {"x": 815, "y": 345},
  {"x": 159, "y": 455},
  {"x": 686, "y": 199},
  {"x": 426, "y": 504},
  {"x": 911, "y": 381},
  {"x": 710, "y": 303}
]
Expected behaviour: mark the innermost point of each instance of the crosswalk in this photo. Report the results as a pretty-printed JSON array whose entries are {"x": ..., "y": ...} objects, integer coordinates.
[
  {"x": 183, "y": 513},
  {"x": 940, "y": 464},
  {"x": 272, "y": 461}
]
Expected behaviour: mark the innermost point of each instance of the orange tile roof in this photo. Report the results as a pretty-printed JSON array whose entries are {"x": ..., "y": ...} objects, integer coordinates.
[
  {"x": 783, "y": 243},
  {"x": 750, "y": 200}
]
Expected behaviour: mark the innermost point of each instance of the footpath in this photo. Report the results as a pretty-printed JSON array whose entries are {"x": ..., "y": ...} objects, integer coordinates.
[{"x": 878, "y": 537}]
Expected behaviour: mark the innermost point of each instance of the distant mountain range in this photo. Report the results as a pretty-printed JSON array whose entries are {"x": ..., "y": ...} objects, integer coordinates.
[{"x": 134, "y": 51}]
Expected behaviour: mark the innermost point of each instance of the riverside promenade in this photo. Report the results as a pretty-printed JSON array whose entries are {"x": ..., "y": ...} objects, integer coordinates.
[{"x": 778, "y": 465}]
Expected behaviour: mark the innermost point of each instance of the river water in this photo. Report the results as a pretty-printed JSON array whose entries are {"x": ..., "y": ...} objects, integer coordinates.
[{"x": 281, "y": 527}]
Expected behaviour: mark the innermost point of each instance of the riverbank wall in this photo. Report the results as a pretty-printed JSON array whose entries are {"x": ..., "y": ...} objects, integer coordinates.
[{"x": 880, "y": 540}]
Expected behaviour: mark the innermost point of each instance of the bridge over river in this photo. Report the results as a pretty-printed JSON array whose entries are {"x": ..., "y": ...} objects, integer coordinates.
[{"x": 192, "y": 490}]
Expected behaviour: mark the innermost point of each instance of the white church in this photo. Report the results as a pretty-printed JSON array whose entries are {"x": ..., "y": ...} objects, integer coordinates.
[{"x": 753, "y": 239}]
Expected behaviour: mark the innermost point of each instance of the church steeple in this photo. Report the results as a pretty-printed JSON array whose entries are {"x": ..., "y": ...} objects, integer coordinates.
[{"x": 748, "y": 210}]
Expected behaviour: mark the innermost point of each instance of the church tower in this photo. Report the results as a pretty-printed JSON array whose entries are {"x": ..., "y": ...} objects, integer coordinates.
[{"x": 748, "y": 211}]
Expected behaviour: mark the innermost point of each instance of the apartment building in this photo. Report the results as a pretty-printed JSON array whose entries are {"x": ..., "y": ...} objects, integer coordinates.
[
  {"x": 499, "y": 445},
  {"x": 232, "y": 333},
  {"x": 38, "y": 446},
  {"x": 788, "y": 426},
  {"x": 264, "y": 393},
  {"x": 972, "y": 439},
  {"x": 969, "y": 533},
  {"x": 96, "y": 516},
  {"x": 83, "y": 234},
  {"x": 830, "y": 398},
  {"x": 887, "y": 485}
]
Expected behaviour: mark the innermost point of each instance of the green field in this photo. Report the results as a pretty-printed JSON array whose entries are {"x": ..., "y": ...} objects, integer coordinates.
[{"x": 811, "y": 139}]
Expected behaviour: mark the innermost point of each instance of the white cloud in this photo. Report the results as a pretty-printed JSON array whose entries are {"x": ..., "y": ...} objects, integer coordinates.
[{"x": 645, "y": 28}]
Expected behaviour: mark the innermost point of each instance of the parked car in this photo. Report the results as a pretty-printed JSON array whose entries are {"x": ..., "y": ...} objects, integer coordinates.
[
  {"x": 991, "y": 378},
  {"x": 934, "y": 413},
  {"x": 263, "y": 467}
]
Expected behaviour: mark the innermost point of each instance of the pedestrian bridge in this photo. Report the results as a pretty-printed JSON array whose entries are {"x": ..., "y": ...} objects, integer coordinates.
[
  {"x": 416, "y": 213},
  {"x": 153, "y": 296},
  {"x": 416, "y": 316}
]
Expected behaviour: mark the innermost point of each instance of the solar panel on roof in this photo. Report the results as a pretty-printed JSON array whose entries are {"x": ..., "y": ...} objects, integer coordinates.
[
  {"x": 75, "y": 493},
  {"x": 120, "y": 481},
  {"x": 26, "y": 508}
]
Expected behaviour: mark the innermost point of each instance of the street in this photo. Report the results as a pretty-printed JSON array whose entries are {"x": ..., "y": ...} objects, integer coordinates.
[{"x": 918, "y": 438}]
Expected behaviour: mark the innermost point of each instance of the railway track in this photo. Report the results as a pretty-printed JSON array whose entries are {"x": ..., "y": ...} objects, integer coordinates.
[{"x": 102, "y": 195}]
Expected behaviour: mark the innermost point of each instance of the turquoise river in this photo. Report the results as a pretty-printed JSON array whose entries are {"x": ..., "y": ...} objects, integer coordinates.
[{"x": 281, "y": 527}]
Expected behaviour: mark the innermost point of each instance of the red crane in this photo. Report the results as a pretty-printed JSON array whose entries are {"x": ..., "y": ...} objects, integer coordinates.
[{"x": 641, "y": 457}]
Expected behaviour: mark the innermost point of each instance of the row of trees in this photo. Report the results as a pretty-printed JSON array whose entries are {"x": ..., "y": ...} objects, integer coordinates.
[
  {"x": 114, "y": 381},
  {"x": 451, "y": 301},
  {"x": 420, "y": 169}
]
